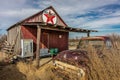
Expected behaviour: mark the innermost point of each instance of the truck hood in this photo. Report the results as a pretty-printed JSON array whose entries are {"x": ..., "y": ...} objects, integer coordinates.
[{"x": 74, "y": 57}]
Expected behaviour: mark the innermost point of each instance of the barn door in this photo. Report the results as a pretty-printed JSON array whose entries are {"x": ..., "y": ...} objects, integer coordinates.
[{"x": 45, "y": 40}]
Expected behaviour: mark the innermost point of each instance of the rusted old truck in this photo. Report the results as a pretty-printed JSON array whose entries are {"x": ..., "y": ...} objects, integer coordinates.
[{"x": 75, "y": 61}]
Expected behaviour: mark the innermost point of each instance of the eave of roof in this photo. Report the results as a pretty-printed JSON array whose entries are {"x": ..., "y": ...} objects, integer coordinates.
[{"x": 57, "y": 27}]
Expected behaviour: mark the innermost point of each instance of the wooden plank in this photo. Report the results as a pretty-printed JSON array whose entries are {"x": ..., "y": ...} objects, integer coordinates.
[{"x": 38, "y": 46}]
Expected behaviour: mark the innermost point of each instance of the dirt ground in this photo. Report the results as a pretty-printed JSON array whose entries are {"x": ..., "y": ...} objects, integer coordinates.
[{"x": 10, "y": 72}]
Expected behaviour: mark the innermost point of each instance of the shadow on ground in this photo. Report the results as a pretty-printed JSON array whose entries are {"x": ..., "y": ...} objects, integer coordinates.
[{"x": 10, "y": 72}]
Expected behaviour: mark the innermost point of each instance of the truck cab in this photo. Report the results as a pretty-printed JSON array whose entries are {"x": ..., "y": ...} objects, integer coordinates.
[{"x": 98, "y": 42}]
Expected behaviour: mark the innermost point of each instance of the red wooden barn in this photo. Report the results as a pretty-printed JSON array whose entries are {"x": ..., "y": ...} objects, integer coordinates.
[{"x": 46, "y": 28}]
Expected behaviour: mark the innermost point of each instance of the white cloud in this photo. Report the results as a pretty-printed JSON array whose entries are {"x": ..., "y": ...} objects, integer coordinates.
[
  {"x": 19, "y": 13},
  {"x": 75, "y": 6},
  {"x": 117, "y": 13},
  {"x": 103, "y": 22},
  {"x": 15, "y": 10},
  {"x": 13, "y": 4},
  {"x": 69, "y": 9}
]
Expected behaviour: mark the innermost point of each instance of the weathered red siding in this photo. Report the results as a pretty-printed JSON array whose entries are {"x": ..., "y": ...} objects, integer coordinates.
[
  {"x": 55, "y": 41},
  {"x": 49, "y": 38}
]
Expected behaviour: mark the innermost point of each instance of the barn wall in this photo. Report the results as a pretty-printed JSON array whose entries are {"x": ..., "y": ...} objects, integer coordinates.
[
  {"x": 55, "y": 41},
  {"x": 17, "y": 47},
  {"x": 14, "y": 37},
  {"x": 52, "y": 39},
  {"x": 12, "y": 33}
]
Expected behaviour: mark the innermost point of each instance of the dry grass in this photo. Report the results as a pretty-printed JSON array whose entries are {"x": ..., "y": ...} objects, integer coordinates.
[
  {"x": 3, "y": 56},
  {"x": 10, "y": 72},
  {"x": 27, "y": 71},
  {"x": 107, "y": 67},
  {"x": 43, "y": 73},
  {"x": 73, "y": 43}
]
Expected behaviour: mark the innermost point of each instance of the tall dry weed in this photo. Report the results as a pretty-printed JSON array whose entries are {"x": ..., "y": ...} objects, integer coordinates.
[
  {"x": 106, "y": 67},
  {"x": 43, "y": 73}
]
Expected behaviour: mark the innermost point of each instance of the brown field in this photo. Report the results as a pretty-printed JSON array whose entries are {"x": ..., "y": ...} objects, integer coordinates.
[{"x": 104, "y": 68}]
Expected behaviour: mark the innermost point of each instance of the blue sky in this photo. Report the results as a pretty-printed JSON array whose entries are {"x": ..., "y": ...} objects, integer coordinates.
[{"x": 101, "y": 15}]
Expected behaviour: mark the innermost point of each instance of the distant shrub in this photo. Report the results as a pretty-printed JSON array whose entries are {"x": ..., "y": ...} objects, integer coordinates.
[{"x": 115, "y": 38}]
